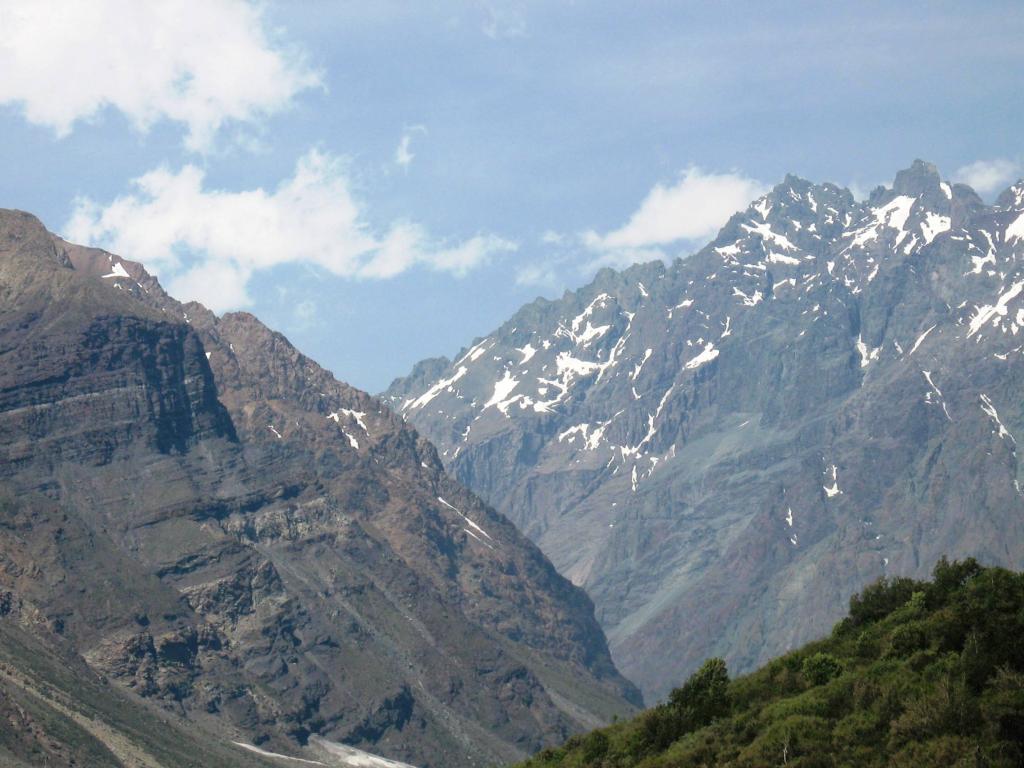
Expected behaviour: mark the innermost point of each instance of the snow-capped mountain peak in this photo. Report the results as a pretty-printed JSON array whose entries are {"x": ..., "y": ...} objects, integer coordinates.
[{"x": 652, "y": 429}]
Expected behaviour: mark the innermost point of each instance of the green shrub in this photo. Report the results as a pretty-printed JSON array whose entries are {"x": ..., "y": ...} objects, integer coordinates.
[
  {"x": 783, "y": 741},
  {"x": 820, "y": 668},
  {"x": 948, "y": 577},
  {"x": 1002, "y": 707},
  {"x": 698, "y": 702},
  {"x": 867, "y": 644},
  {"x": 859, "y": 730},
  {"x": 880, "y": 599},
  {"x": 949, "y": 750},
  {"x": 946, "y": 709},
  {"x": 595, "y": 746},
  {"x": 812, "y": 703},
  {"x": 705, "y": 696},
  {"x": 906, "y": 639}
]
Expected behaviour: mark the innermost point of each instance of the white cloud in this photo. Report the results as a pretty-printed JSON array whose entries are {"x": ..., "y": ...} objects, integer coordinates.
[
  {"x": 219, "y": 285},
  {"x": 403, "y": 152},
  {"x": 685, "y": 214},
  {"x": 694, "y": 208},
  {"x": 503, "y": 19},
  {"x": 537, "y": 275},
  {"x": 207, "y": 243},
  {"x": 200, "y": 64},
  {"x": 989, "y": 176},
  {"x": 304, "y": 314},
  {"x": 860, "y": 191}
]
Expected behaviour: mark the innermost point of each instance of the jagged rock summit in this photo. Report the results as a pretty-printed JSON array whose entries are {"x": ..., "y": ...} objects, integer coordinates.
[
  {"x": 722, "y": 450},
  {"x": 233, "y": 539}
]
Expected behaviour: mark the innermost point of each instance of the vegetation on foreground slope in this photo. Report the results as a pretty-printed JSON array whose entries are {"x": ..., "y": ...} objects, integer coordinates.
[{"x": 919, "y": 674}]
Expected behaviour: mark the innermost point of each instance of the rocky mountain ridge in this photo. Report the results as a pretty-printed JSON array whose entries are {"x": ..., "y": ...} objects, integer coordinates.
[
  {"x": 221, "y": 528},
  {"x": 722, "y": 450}
]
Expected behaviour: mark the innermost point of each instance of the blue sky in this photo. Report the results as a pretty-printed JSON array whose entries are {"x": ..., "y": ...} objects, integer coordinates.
[{"x": 383, "y": 181}]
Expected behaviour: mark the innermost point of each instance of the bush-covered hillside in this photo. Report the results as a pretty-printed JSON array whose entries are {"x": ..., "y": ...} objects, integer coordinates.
[{"x": 919, "y": 674}]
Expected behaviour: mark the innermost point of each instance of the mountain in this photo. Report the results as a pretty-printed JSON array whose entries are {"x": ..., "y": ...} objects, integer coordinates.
[
  {"x": 722, "y": 450},
  {"x": 57, "y": 711},
  {"x": 920, "y": 674},
  {"x": 232, "y": 539}
]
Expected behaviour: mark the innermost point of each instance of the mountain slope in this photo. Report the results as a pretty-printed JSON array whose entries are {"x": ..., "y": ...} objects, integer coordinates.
[
  {"x": 219, "y": 526},
  {"x": 58, "y": 712},
  {"x": 919, "y": 674},
  {"x": 723, "y": 449}
]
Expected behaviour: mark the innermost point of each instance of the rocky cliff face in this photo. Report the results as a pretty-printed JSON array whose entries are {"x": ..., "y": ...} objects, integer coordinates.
[
  {"x": 219, "y": 526},
  {"x": 722, "y": 450}
]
